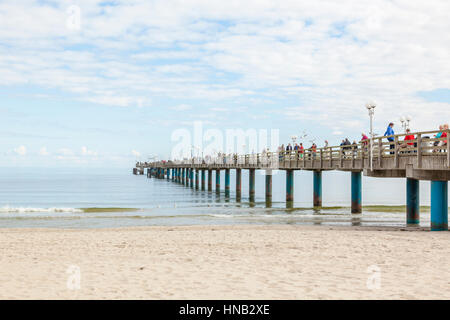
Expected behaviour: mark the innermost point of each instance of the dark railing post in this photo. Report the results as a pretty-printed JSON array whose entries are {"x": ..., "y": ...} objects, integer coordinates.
[
  {"x": 396, "y": 160},
  {"x": 419, "y": 151}
]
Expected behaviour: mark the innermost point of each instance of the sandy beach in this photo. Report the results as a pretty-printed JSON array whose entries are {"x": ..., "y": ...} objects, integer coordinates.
[{"x": 224, "y": 262}]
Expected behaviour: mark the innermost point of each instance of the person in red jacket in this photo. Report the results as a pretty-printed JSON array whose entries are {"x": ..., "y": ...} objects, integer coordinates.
[{"x": 409, "y": 137}]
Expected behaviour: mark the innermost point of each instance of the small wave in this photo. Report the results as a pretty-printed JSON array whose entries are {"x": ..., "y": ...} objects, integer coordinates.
[{"x": 8, "y": 209}]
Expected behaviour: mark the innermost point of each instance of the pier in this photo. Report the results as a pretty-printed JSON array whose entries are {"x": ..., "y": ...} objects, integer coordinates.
[{"x": 424, "y": 158}]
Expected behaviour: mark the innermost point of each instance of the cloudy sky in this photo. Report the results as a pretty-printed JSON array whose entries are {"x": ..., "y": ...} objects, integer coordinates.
[{"x": 84, "y": 83}]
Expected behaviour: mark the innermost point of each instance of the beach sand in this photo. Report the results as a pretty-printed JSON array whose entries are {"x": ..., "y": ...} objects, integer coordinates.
[{"x": 225, "y": 262}]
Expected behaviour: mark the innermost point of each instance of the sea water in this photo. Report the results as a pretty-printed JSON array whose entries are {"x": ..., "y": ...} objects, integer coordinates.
[{"x": 114, "y": 197}]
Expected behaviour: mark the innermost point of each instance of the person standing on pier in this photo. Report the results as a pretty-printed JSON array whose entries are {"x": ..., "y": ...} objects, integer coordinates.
[{"x": 390, "y": 132}]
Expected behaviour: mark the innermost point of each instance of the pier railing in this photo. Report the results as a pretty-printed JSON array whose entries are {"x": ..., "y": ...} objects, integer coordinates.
[{"x": 425, "y": 150}]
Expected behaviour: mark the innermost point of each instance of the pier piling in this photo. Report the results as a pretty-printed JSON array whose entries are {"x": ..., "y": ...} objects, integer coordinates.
[
  {"x": 356, "y": 191},
  {"x": 217, "y": 181},
  {"x": 289, "y": 187},
  {"x": 209, "y": 180},
  {"x": 191, "y": 177},
  {"x": 317, "y": 185},
  {"x": 196, "y": 178},
  {"x": 412, "y": 202},
  {"x": 238, "y": 184},
  {"x": 439, "y": 205},
  {"x": 227, "y": 183},
  {"x": 251, "y": 185},
  {"x": 203, "y": 179},
  {"x": 268, "y": 188}
]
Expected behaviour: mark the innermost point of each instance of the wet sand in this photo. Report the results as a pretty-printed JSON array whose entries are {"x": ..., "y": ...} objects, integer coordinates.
[{"x": 225, "y": 262}]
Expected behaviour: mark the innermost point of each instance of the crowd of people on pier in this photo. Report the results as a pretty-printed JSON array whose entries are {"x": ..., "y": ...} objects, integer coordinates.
[
  {"x": 347, "y": 148},
  {"x": 408, "y": 144}
]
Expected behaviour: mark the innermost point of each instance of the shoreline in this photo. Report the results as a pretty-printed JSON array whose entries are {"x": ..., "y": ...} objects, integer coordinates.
[{"x": 225, "y": 262}]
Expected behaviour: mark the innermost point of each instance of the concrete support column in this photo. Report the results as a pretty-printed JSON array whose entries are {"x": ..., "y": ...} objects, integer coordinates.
[
  {"x": 227, "y": 182},
  {"x": 196, "y": 178},
  {"x": 203, "y": 179},
  {"x": 289, "y": 186},
  {"x": 209, "y": 180},
  {"x": 251, "y": 185},
  {"x": 182, "y": 175},
  {"x": 439, "y": 205},
  {"x": 217, "y": 181},
  {"x": 268, "y": 188},
  {"x": 317, "y": 194},
  {"x": 412, "y": 202},
  {"x": 238, "y": 184},
  {"x": 356, "y": 192},
  {"x": 168, "y": 174},
  {"x": 191, "y": 177}
]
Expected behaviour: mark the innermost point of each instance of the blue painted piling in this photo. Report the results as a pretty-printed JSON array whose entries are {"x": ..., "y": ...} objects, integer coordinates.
[
  {"x": 317, "y": 193},
  {"x": 268, "y": 188},
  {"x": 238, "y": 184},
  {"x": 412, "y": 202},
  {"x": 196, "y": 178},
  {"x": 439, "y": 205},
  {"x": 289, "y": 186},
  {"x": 217, "y": 181},
  {"x": 191, "y": 177},
  {"x": 356, "y": 191},
  {"x": 227, "y": 182},
  {"x": 203, "y": 179},
  {"x": 209, "y": 180},
  {"x": 251, "y": 185}
]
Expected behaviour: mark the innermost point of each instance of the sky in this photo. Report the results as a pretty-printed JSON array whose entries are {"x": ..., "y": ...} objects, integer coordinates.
[{"x": 104, "y": 83}]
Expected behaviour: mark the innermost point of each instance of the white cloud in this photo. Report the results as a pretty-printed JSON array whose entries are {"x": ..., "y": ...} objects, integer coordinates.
[
  {"x": 43, "y": 151},
  {"x": 65, "y": 152},
  {"x": 86, "y": 152},
  {"x": 21, "y": 150},
  {"x": 135, "y": 153},
  {"x": 333, "y": 56},
  {"x": 181, "y": 107}
]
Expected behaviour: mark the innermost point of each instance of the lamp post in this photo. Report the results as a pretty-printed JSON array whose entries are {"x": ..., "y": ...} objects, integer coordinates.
[
  {"x": 371, "y": 108},
  {"x": 405, "y": 122},
  {"x": 294, "y": 139}
]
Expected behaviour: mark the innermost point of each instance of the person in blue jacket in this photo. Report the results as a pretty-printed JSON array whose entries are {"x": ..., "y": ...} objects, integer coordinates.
[{"x": 390, "y": 132}]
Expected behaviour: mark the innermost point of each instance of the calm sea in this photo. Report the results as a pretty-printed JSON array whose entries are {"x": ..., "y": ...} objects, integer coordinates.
[{"x": 80, "y": 198}]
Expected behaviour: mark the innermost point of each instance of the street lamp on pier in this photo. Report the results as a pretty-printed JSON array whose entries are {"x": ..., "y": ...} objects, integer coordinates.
[
  {"x": 371, "y": 108},
  {"x": 405, "y": 122}
]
